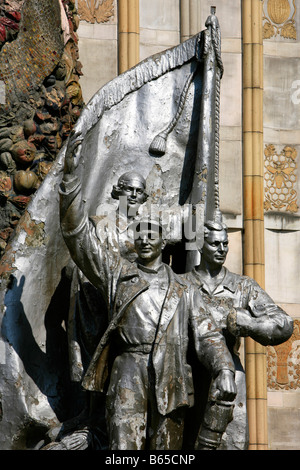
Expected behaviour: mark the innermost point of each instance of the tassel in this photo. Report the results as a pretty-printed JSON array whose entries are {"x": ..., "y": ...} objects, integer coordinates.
[{"x": 158, "y": 145}]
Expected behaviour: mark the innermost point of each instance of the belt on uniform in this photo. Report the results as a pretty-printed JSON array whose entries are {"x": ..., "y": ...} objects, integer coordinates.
[{"x": 141, "y": 348}]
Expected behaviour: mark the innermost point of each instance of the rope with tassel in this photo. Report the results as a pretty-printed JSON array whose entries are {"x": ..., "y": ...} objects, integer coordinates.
[
  {"x": 159, "y": 143},
  {"x": 213, "y": 23}
]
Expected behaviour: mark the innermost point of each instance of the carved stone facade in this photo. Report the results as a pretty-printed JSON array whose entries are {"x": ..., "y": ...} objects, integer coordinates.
[
  {"x": 280, "y": 179},
  {"x": 41, "y": 100},
  {"x": 279, "y": 19},
  {"x": 96, "y": 11},
  {"x": 284, "y": 363}
]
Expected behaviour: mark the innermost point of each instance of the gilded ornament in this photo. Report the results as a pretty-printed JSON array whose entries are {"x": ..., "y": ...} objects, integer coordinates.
[
  {"x": 290, "y": 152},
  {"x": 279, "y": 19},
  {"x": 283, "y": 363},
  {"x": 95, "y": 11},
  {"x": 288, "y": 31},
  {"x": 268, "y": 30},
  {"x": 279, "y": 11},
  {"x": 280, "y": 179}
]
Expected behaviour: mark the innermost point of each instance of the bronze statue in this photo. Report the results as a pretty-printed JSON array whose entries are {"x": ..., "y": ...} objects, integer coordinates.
[
  {"x": 143, "y": 350},
  {"x": 241, "y": 308},
  {"x": 88, "y": 311},
  {"x": 131, "y": 364},
  {"x": 114, "y": 228}
]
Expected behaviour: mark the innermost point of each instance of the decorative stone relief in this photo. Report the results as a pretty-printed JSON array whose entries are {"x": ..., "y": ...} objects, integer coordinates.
[
  {"x": 280, "y": 179},
  {"x": 278, "y": 18},
  {"x": 41, "y": 99},
  {"x": 284, "y": 363},
  {"x": 96, "y": 11}
]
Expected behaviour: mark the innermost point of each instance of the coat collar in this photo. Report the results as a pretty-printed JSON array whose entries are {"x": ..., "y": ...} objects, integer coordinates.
[
  {"x": 229, "y": 282},
  {"x": 174, "y": 294},
  {"x": 177, "y": 287},
  {"x": 149, "y": 270},
  {"x": 133, "y": 270}
]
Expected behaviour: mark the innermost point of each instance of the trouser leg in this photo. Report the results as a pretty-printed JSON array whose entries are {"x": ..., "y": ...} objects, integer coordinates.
[
  {"x": 126, "y": 403},
  {"x": 131, "y": 409},
  {"x": 166, "y": 432},
  {"x": 127, "y": 427}
]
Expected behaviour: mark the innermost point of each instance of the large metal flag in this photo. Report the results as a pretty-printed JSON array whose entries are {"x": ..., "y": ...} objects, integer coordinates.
[{"x": 160, "y": 118}]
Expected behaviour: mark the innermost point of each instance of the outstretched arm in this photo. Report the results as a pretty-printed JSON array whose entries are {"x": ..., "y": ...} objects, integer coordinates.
[
  {"x": 71, "y": 156},
  {"x": 71, "y": 206},
  {"x": 95, "y": 262}
]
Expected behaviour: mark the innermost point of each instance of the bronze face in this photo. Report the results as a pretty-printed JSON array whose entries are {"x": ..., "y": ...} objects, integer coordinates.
[
  {"x": 149, "y": 244},
  {"x": 215, "y": 247},
  {"x": 134, "y": 191}
]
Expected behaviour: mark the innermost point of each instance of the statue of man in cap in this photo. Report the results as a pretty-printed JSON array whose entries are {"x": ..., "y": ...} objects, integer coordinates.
[
  {"x": 113, "y": 231},
  {"x": 88, "y": 309},
  {"x": 141, "y": 359}
]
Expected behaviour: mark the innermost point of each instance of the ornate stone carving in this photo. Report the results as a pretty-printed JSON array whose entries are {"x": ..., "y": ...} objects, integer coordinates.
[
  {"x": 42, "y": 99},
  {"x": 96, "y": 11},
  {"x": 279, "y": 19},
  {"x": 280, "y": 179},
  {"x": 284, "y": 363}
]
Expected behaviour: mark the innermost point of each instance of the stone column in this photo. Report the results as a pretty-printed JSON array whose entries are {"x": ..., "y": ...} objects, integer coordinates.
[
  {"x": 128, "y": 34},
  {"x": 255, "y": 357},
  {"x": 189, "y": 19}
]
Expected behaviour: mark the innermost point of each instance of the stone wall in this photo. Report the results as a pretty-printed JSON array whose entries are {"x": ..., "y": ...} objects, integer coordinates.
[
  {"x": 98, "y": 45},
  {"x": 282, "y": 216}
]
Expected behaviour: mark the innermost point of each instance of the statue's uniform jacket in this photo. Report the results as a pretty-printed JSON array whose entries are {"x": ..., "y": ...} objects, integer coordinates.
[
  {"x": 273, "y": 326},
  {"x": 121, "y": 283}
]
